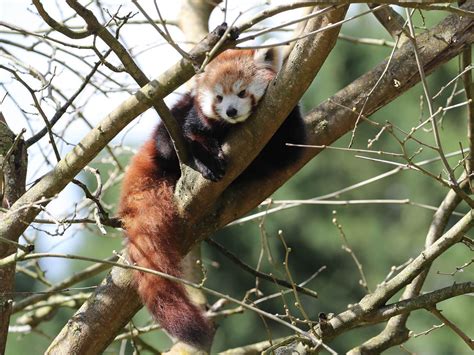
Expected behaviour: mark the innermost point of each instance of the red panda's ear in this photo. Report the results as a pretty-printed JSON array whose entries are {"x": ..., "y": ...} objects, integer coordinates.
[{"x": 269, "y": 58}]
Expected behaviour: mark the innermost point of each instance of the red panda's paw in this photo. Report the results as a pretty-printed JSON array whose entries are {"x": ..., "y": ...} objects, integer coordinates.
[{"x": 214, "y": 169}]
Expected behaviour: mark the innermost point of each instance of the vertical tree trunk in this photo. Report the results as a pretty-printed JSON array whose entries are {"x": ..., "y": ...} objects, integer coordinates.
[{"x": 12, "y": 185}]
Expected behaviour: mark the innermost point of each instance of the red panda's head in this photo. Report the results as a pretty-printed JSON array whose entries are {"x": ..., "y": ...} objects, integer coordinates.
[{"x": 234, "y": 83}]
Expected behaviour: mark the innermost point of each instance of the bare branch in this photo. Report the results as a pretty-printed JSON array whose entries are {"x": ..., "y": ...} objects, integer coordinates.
[
  {"x": 392, "y": 21},
  {"x": 57, "y": 26},
  {"x": 466, "y": 69},
  {"x": 165, "y": 34},
  {"x": 434, "y": 124},
  {"x": 368, "y": 309},
  {"x": 63, "y": 285},
  {"x": 396, "y": 331},
  {"x": 454, "y": 327},
  {"x": 137, "y": 74},
  {"x": 59, "y": 113},
  {"x": 257, "y": 273}
]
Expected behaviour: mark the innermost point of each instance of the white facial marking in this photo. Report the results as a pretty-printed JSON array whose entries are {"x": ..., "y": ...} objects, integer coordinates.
[
  {"x": 239, "y": 118},
  {"x": 207, "y": 98}
]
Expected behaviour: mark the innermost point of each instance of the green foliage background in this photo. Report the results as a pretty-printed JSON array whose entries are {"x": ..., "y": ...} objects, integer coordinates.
[{"x": 380, "y": 235}]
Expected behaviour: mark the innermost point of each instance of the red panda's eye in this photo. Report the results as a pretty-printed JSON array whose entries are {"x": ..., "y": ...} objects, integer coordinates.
[
  {"x": 241, "y": 94},
  {"x": 219, "y": 98}
]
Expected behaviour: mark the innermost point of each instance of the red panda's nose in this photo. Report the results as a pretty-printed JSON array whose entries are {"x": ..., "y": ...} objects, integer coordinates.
[{"x": 231, "y": 112}]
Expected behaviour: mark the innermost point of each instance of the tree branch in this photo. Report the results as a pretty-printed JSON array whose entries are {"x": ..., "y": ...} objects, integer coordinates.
[
  {"x": 454, "y": 327},
  {"x": 466, "y": 61},
  {"x": 427, "y": 300},
  {"x": 96, "y": 328},
  {"x": 137, "y": 74},
  {"x": 359, "y": 313},
  {"x": 57, "y": 26},
  {"x": 88, "y": 272}
]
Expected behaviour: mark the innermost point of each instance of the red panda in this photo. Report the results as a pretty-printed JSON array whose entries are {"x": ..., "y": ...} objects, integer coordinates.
[{"x": 225, "y": 94}]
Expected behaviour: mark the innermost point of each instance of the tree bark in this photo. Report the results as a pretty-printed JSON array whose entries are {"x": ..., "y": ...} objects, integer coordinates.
[{"x": 14, "y": 179}]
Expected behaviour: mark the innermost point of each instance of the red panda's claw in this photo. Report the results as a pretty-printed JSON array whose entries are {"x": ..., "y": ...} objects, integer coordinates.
[
  {"x": 213, "y": 170},
  {"x": 220, "y": 30},
  {"x": 234, "y": 33}
]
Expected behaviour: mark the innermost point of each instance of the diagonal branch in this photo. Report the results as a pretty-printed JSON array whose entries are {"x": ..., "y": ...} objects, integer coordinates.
[
  {"x": 466, "y": 62},
  {"x": 137, "y": 74},
  {"x": 57, "y": 26},
  {"x": 426, "y": 300},
  {"x": 454, "y": 327}
]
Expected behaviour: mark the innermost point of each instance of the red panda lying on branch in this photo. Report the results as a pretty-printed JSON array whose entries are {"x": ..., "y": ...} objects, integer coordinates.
[{"x": 225, "y": 94}]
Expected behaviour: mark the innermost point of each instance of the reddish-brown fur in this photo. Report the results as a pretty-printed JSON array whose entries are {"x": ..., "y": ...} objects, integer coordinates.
[{"x": 149, "y": 217}]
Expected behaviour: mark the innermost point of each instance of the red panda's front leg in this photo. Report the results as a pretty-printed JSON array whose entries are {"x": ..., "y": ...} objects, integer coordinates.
[
  {"x": 208, "y": 157},
  {"x": 204, "y": 142}
]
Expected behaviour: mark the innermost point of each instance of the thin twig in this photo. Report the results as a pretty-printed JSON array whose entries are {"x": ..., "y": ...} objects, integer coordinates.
[
  {"x": 466, "y": 59},
  {"x": 426, "y": 332},
  {"x": 232, "y": 257},
  {"x": 166, "y": 35},
  {"x": 311, "y": 33},
  {"x": 348, "y": 249},
  {"x": 59, "y": 113},
  {"x": 453, "y": 327}
]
